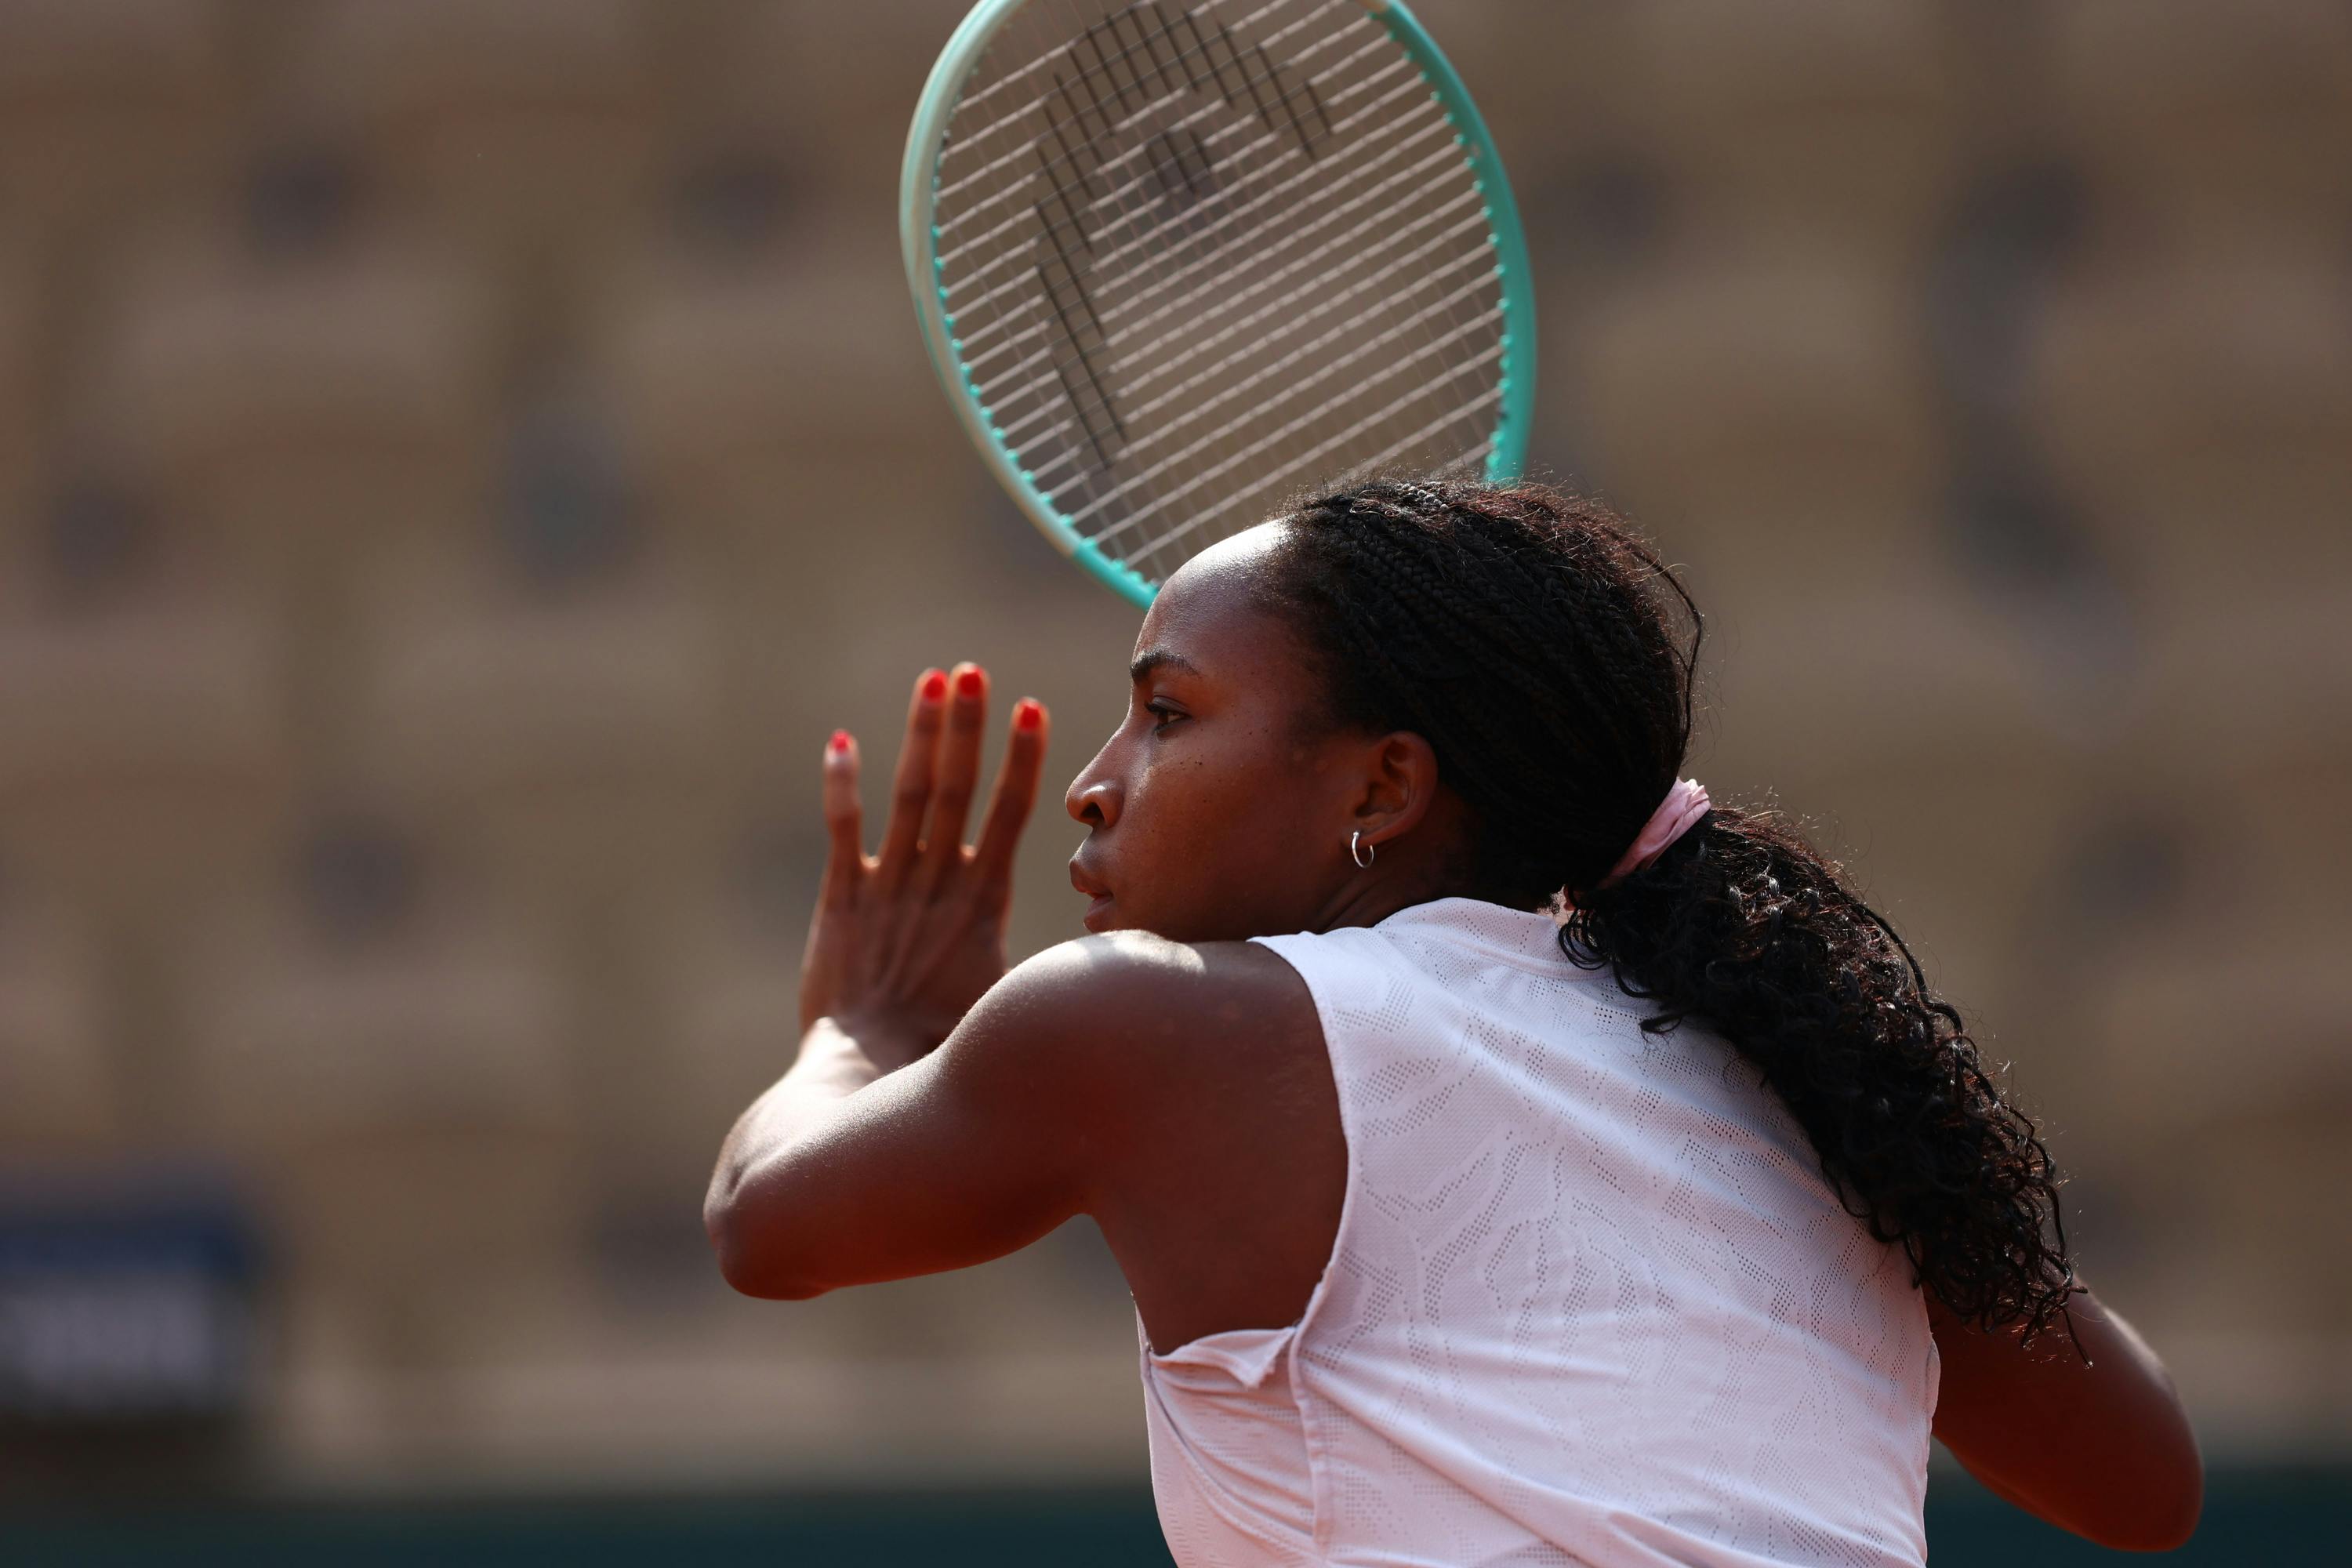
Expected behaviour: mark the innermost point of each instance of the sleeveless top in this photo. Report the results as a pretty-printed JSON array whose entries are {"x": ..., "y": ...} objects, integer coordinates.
[{"x": 1592, "y": 1301}]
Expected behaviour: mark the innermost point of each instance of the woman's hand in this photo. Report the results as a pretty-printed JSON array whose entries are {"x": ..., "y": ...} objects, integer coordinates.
[{"x": 904, "y": 942}]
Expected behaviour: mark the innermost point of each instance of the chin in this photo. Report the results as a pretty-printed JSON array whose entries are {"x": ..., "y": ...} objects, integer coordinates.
[{"x": 1108, "y": 916}]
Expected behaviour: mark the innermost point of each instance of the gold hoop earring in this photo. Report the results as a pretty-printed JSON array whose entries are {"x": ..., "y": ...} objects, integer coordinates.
[{"x": 1365, "y": 859}]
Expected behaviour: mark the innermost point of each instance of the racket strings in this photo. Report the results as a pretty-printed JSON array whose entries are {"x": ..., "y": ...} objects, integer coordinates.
[
  {"x": 1121, "y": 195},
  {"x": 1049, "y": 168},
  {"x": 1429, "y": 123},
  {"x": 1221, "y": 293},
  {"x": 1043, "y": 63},
  {"x": 1074, "y": 332},
  {"x": 1406, "y": 130},
  {"x": 1073, "y": 335},
  {"x": 1237, "y": 385},
  {"x": 972, "y": 135},
  {"x": 1263, "y": 314},
  {"x": 1076, "y": 107},
  {"x": 1281, "y": 434},
  {"x": 1226, "y": 431},
  {"x": 1124, "y": 185},
  {"x": 1331, "y": 300},
  {"x": 1260, "y": 78},
  {"x": 1320, "y": 373},
  {"x": 1359, "y": 242}
]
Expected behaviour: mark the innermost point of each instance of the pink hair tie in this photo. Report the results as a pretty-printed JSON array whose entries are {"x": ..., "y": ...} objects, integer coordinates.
[{"x": 1684, "y": 804}]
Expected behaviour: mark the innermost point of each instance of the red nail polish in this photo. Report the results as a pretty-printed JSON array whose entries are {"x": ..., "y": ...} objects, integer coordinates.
[
  {"x": 968, "y": 681},
  {"x": 840, "y": 742},
  {"x": 935, "y": 685},
  {"x": 1029, "y": 715}
]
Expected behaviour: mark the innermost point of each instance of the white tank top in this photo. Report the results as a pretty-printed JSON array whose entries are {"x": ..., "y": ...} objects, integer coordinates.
[{"x": 1592, "y": 1301}]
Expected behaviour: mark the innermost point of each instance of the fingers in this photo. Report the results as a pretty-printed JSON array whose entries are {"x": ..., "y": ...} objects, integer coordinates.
[
  {"x": 1014, "y": 796},
  {"x": 911, "y": 788},
  {"x": 959, "y": 772},
  {"x": 843, "y": 823}
]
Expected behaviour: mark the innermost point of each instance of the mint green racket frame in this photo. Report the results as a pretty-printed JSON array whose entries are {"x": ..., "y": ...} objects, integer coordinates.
[{"x": 919, "y": 236}]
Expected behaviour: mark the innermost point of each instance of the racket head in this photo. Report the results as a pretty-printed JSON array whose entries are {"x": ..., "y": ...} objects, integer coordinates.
[{"x": 1112, "y": 299}]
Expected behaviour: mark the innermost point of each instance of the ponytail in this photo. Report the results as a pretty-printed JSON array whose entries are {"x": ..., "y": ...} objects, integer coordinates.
[
  {"x": 1743, "y": 926},
  {"x": 1532, "y": 638}
]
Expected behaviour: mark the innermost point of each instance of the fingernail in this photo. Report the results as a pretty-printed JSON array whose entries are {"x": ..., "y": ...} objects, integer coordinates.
[
  {"x": 840, "y": 742},
  {"x": 1028, "y": 715},
  {"x": 935, "y": 685},
  {"x": 968, "y": 680}
]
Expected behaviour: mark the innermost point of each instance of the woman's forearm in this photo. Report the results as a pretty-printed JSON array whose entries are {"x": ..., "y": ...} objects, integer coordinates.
[
  {"x": 836, "y": 1060},
  {"x": 2095, "y": 1441}
]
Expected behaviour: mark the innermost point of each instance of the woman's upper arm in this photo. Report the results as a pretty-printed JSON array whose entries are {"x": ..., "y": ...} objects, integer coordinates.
[
  {"x": 975, "y": 1150},
  {"x": 2095, "y": 1442}
]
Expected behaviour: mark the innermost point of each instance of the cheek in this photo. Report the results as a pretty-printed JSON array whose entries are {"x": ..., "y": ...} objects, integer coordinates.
[
  {"x": 1171, "y": 792},
  {"x": 1241, "y": 792}
]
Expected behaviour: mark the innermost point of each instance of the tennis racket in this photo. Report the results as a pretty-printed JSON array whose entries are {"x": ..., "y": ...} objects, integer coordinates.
[{"x": 1177, "y": 261}]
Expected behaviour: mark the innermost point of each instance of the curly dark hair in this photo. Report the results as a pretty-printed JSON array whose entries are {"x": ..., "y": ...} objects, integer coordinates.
[{"x": 1536, "y": 642}]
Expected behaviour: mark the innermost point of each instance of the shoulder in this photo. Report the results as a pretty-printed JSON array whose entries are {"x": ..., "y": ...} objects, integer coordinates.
[
  {"x": 1195, "y": 1077},
  {"x": 1135, "y": 988},
  {"x": 1126, "y": 1026}
]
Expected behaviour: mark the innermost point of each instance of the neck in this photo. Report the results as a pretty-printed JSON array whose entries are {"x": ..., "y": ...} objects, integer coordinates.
[
  {"x": 1373, "y": 893},
  {"x": 1431, "y": 859}
]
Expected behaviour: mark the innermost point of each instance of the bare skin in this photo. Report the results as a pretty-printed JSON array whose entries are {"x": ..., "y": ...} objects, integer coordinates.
[{"x": 1170, "y": 1078}]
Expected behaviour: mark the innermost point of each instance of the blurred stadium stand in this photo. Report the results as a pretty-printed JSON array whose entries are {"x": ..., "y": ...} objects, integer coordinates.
[{"x": 459, "y": 459}]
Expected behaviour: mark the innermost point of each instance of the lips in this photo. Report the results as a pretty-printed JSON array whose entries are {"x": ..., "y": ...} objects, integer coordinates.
[{"x": 1098, "y": 916}]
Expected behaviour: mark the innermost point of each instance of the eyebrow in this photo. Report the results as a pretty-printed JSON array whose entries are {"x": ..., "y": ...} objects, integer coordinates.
[{"x": 1147, "y": 662}]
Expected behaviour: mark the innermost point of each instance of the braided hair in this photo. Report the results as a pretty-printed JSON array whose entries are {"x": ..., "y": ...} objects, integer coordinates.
[{"x": 1536, "y": 644}]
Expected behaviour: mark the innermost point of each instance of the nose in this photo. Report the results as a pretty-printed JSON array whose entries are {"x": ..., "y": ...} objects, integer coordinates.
[{"x": 1092, "y": 800}]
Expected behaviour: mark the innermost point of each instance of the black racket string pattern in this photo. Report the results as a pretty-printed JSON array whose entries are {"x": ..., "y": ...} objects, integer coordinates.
[
  {"x": 1141, "y": 515},
  {"x": 1178, "y": 53},
  {"x": 1254, "y": 82},
  {"x": 1298, "y": 264},
  {"x": 1191, "y": 46},
  {"x": 1100, "y": 63}
]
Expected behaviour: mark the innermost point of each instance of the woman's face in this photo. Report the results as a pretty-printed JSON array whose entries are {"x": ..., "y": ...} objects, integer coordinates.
[{"x": 1220, "y": 808}]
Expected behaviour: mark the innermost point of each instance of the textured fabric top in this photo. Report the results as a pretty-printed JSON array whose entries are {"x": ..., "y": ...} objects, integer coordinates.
[{"x": 1592, "y": 1301}]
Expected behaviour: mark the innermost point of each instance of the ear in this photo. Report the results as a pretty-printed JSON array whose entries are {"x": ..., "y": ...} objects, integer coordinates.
[{"x": 1399, "y": 784}]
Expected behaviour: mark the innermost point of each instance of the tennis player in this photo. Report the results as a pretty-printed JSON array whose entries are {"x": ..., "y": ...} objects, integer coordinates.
[{"x": 1515, "y": 1157}]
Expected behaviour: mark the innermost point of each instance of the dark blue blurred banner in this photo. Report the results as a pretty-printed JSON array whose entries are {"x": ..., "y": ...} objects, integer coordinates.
[{"x": 125, "y": 1304}]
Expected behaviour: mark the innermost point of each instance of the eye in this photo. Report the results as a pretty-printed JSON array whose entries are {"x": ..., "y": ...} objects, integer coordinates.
[{"x": 1167, "y": 715}]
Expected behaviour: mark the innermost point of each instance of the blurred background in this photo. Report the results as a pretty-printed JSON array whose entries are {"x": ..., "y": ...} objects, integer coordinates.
[{"x": 459, "y": 459}]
